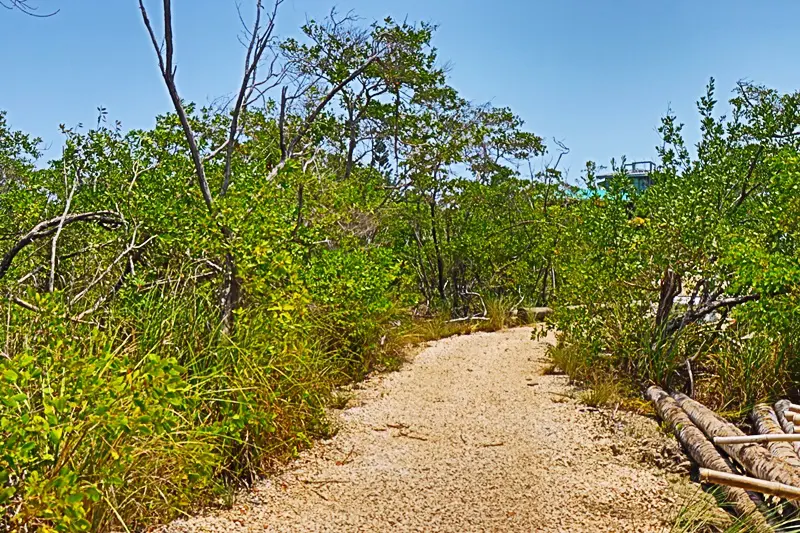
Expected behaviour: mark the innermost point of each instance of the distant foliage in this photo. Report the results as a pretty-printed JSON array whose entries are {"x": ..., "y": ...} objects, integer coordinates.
[{"x": 693, "y": 284}]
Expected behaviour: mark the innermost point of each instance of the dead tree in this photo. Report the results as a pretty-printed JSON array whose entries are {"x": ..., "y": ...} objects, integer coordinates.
[{"x": 255, "y": 83}]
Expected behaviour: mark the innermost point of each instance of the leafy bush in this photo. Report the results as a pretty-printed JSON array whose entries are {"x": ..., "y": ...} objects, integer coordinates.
[{"x": 718, "y": 231}]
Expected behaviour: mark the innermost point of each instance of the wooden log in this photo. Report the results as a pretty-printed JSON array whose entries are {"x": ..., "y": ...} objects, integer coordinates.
[
  {"x": 766, "y": 423},
  {"x": 760, "y": 439},
  {"x": 533, "y": 314},
  {"x": 756, "y": 460},
  {"x": 791, "y": 416},
  {"x": 788, "y": 427},
  {"x": 781, "y": 410},
  {"x": 701, "y": 450},
  {"x": 748, "y": 483}
]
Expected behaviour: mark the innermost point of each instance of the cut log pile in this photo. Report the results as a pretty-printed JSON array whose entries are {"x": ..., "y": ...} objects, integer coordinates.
[{"x": 744, "y": 466}]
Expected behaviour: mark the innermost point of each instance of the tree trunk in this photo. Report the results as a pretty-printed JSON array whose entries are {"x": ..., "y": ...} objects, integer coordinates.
[
  {"x": 545, "y": 280},
  {"x": 439, "y": 260},
  {"x": 766, "y": 422},
  {"x": 702, "y": 451},
  {"x": 229, "y": 295},
  {"x": 351, "y": 144},
  {"x": 756, "y": 460},
  {"x": 670, "y": 288}
]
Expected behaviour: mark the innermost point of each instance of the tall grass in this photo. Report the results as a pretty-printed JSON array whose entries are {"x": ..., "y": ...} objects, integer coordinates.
[
  {"x": 153, "y": 411},
  {"x": 704, "y": 512},
  {"x": 730, "y": 368}
]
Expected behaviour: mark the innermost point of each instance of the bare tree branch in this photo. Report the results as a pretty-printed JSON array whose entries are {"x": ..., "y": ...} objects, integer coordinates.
[
  {"x": 25, "y": 7},
  {"x": 137, "y": 171},
  {"x": 282, "y": 123},
  {"x": 52, "y": 279},
  {"x": 746, "y": 192},
  {"x": 260, "y": 40},
  {"x": 693, "y": 315},
  {"x": 128, "y": 270},
  {"x": 309, "y": 121},
  {"x": 24, "y": 304},
  {"x": 105, "y": 219},
  {"x": 216, "y": 151},
  {"x": 165, "y": 64},
  {"x": 786, "y": 135},
  {"x": 124, "y": 254}
]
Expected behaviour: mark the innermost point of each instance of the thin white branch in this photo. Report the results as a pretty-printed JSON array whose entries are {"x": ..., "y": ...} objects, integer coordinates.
[{"x": 52, "y": 279}]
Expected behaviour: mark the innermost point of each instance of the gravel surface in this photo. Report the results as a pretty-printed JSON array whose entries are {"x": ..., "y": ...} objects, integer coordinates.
[{"x": 469, "y": 436}]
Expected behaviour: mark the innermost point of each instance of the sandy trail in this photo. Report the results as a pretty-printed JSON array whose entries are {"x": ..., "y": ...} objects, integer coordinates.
[{"x": 468, "y": 436}]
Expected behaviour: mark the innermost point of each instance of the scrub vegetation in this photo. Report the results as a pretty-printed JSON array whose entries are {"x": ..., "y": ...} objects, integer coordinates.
[{"x": 179, "y": 303}]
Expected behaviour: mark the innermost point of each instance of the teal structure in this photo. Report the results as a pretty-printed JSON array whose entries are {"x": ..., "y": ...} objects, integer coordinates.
[{"x": 639, "y": 173}]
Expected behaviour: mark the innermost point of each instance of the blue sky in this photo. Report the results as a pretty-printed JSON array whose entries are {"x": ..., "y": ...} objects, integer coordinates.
[{"x": 595, "y": 74}]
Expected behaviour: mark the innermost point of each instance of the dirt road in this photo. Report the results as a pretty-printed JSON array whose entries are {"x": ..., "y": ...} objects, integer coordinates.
[{"x": 468, "y": 436}]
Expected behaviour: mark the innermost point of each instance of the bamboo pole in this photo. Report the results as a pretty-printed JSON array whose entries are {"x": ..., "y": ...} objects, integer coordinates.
[
  {"x": 748, "y": 483},
  {"x": 757, "y": 461},
  {"x": 757, "y": 439},
  {"x": 702, "y": 451},
  {"x": 778, "y": 442}
]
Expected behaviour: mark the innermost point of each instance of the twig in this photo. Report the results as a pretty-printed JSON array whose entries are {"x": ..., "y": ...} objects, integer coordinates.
[
  {"x": 48, "y": 227},
  {"x": 347, "y": 458},
  {"x": 318, "y": 493},
  {"x": 137, "y": 173},
  {"x": 52, "y": 279},
  {"x": 130, "y": 248},
  {"x": 469, "y": 318},
  {"x": 317, "y": 110},
  {"x": 410, "y": 436},
  {"x": 30, "y": 274},
  {"x": 483, "y": 303},
  {"x": 749, "y": 439},
  {"x": 320, "y": 481},
  {"x": 25, "y": 305}
]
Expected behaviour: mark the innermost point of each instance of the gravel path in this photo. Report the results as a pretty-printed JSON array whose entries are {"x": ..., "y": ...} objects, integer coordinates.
[{"x": 469, "y": 436}]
